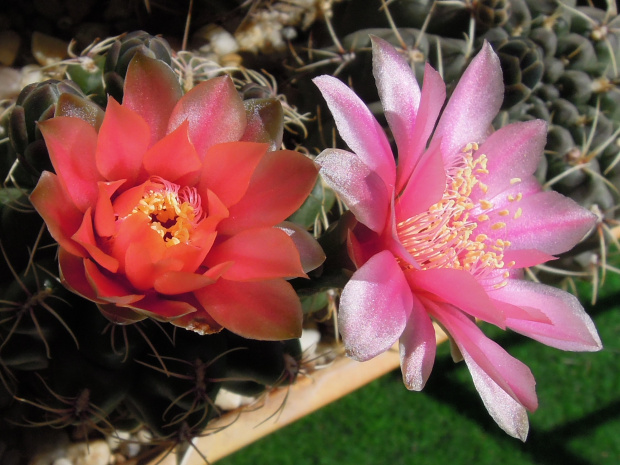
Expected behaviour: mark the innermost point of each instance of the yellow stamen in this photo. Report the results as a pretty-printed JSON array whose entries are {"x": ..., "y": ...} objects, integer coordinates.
[
  {"x": 443, "y": 236},
  {"x": 171, "y": 215}
]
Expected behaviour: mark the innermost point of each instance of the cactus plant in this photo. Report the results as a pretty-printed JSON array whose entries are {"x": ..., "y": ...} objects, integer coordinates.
[{"x": 559, "y": 62}]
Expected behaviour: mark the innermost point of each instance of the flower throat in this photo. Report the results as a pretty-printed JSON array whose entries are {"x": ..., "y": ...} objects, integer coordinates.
[
  {"x": 444, "y": 236},
  {"x": 173, "y": 211}
]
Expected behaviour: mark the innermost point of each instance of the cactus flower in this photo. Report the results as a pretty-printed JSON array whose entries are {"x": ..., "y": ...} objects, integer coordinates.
[
  {"x": 170, "y": 210},
  {"x": 443, "y": 236}
]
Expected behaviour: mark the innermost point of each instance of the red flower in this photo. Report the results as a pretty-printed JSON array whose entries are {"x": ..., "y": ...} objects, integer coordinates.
[{"x": 169, "y": 211}]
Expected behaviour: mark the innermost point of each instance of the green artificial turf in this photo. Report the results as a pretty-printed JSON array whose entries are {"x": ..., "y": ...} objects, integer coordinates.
[{"x": 577, "y": 422}]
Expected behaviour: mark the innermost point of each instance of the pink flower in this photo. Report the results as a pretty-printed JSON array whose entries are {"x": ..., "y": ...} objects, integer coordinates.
[
  {"x": 170, "y": 211},
  {"x": 443, "y": 236}
]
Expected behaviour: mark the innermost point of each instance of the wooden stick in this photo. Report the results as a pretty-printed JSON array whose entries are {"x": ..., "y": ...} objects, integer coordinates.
[{"x": 237, "y": 429}]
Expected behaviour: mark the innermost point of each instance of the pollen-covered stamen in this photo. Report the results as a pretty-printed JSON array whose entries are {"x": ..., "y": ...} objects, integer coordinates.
[
  {"x": 172, "y": 211},
  {"x": 444, "y": 236}
]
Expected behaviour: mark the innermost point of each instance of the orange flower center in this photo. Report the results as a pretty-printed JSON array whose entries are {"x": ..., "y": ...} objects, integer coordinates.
[
  {"x": 172, "y": 211},
  {"x": 444, "y": 235}
]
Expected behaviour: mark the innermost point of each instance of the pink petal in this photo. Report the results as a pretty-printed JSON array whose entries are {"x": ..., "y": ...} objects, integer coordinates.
[
  {"x": 507, "y": 412},
  {"x": 173, "y": 156},
  {"x": 374, "y": 307},
  {"x": 215, "y": 113},
  {"x": 85, "y": 236},
  {"x": 358, "y": 127},
  {"x": 152, "y": 90},
  {"x": 513, "y": 152},
  {"x": 360, "y": 188},
  {"x": 400, "y": 96},
  {"x": 474, "y": 103},
  {"x": 570, "y": 328},
  {"x": 433, "y": 97},
  {"x": 257, "y": 254},
  {"x": 123, "y": 139},
  {"x": 228, "y": 169},
  {"x": 548, "y": 222},
  {"x": 280, "y": 184},
  {"x": 505, "y": 384},
  {"x": 61, "y": 216},
  {"x": 417, "y": 347},
  {"x": 426, "y": 185},
  {"x": 526, "y": 257},
  {"x": 310, "y": 252},
  {"x": 71, "y": 144},
  {"x": 463, "y": 291},
  {"x": 265, "y": 310},
  {"x": 513, "y": 312}
]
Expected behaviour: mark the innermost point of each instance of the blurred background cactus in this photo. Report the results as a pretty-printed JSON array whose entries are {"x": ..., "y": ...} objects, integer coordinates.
[{"x": 64, "y": 365}]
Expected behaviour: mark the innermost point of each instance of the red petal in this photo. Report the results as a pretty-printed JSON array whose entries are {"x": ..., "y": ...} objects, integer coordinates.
[
  {"x": 73, "y": 275},
  {"x": 310, "y": 252},
  {"x": 71, "y": 143},
  {"x": 280, "y": 184},
  {"x": 193, "y": 254},
  {"x": 62, "y": 218},
  {"x": 216, "y": 211},
  {"x": 152, "y": 90},
  {"x": 180, "y": 282},
  {"x": 173, "y": 156},
  {"x": 266, "y": 310},
  {"x": 120, "y": 315},
  {"x": 140, "y": 266},
  {"x": 228, "y": 168},
  {"x": 85, "y": 236},
  {"x": 105, "y": 220},
  {"x": 123, "y": 139},
  {"x": 215, "y": 113},
  {"x": 163, "y": 309},
  {"x": 107, "y": 288},
  {"x": 126, "y": 202},
  {"x": 258, "y": 254},
  {"x": 135, "y": 229}
]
